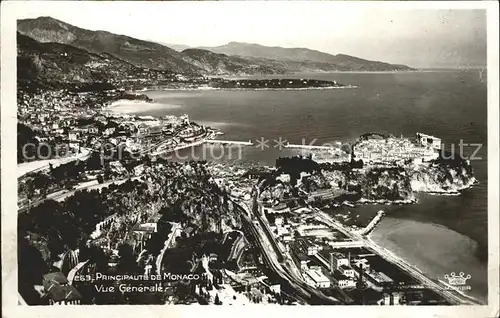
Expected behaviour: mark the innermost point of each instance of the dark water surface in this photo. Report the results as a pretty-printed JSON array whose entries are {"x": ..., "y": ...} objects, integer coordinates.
[{"x": 440, "y": 234}]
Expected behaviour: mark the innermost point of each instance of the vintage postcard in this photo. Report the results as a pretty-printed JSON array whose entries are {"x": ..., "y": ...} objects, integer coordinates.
[{"x": 273, "y": 155}]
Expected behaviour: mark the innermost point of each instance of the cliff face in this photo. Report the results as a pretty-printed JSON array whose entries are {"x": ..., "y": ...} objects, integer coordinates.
[
  {"x": 399, "y": 184},
  {"x": 386, "y": 184},
  {"x": 440, "y": 177}
]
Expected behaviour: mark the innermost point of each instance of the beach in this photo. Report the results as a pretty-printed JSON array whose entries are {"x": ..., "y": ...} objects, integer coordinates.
[
  {"x": 434, "y": 250},
  {"x": 124, "y": 106}
]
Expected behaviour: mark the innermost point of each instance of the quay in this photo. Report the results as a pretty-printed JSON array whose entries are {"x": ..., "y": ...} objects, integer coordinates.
[{"x": 230, "y": 142}]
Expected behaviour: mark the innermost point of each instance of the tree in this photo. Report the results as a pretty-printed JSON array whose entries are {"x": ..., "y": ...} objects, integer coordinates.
[
  {"x": 126, "y": 263},
  {"x": 216, "y": 300},
  {"x": 41, "y": 181},
  {"x": 155, "y": 244},
  {"x": 100, "y": 179}
]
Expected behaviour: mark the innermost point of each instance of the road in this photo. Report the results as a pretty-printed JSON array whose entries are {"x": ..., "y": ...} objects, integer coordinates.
[
  {"x": 449, "y": 295},
  {"x": 39, "y": 165},
  {"x": 175, "y": 231},
  {"x": 60, "y": 195},
  {"x": 302, "y": 291}
]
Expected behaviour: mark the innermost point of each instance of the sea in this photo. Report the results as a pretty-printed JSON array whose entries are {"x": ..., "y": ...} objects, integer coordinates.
[{"x": 439, "y": 234}]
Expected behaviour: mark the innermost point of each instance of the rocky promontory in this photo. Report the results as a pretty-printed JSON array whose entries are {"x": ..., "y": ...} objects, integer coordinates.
[
  {"x": 277, "y": 83},
  {"x": 442, "y": 176}
]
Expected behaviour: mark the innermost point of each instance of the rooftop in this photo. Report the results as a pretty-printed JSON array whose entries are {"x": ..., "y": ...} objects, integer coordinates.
[{"x": 317, "y": 276}]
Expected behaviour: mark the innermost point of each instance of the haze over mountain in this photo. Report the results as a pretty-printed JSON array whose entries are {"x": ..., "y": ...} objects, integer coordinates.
[
  {"x": 341, "y": 61},
  {"x": 177, "y": 47},
  {"x": 231, "y": 59}
]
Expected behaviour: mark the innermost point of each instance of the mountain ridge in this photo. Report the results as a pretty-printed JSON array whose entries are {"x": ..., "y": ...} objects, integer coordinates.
[{"x": 234, "y": 58}]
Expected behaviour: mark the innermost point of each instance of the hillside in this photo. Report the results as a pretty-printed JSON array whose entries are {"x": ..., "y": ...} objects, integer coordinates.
[
  {"x": 304, "y": 59},
  {"x": 144, "y": 54},
  {"x": 140, "y": 53},
  {"x": 221, "y": 64},
  {"x": 54, "y": 63}
]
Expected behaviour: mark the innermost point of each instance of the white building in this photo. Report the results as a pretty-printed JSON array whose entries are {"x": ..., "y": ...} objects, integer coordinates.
[
  {"x": 74, "y": 145},
  {"x": 317, "y": 279},
  {"x": 308, "y": 247},
  {"x": 138, "y": 170},
  {"x": 278, "y": 221},
  {"x": 344, "y": 281},
  {"x": 185, "y": 119},
  {"x": 116, "y": 166},
  {"x": 429, "y": 141},
  {"x": 362, "y": 262},
  {"x": 284, "y": 177},
  {"x": 337, "y": 260},
  {"x": 275, "y": 288},
  {"x": 347, "y": 271},
  {"x": 396, "y": 299},
  {"x": 109, "y": 131}
]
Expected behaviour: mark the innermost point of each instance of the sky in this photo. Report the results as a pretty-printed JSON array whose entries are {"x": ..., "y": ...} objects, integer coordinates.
[{"x": 423, "y": 38}]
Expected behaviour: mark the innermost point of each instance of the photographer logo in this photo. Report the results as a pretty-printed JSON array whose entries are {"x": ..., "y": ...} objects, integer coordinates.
[{"x": 457, "y": 282}]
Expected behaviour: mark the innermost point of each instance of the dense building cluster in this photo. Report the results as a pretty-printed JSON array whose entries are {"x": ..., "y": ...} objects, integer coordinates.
[{"x": 376, "y": 150}]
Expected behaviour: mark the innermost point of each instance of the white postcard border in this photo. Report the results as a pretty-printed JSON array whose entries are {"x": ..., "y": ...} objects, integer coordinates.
[{"x": 10, "y": 305}]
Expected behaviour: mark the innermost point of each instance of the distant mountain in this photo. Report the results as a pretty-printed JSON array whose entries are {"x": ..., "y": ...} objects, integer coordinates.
[
  {"x": 53, "y": 64},
  {"x": 309, "y": 58},
  {"x": 268, "y": 52},
  {"x": 221, "y": 64},
  {"x": 138, "y": 52}
]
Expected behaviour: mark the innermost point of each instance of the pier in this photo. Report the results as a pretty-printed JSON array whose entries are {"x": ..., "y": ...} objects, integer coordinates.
[
  {"x": 230, "y": 142},
  {"x": 372, "y": 224}
]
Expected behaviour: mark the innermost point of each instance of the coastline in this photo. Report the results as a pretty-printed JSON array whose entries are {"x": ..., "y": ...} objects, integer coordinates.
[{"x": 242, "y": 89}]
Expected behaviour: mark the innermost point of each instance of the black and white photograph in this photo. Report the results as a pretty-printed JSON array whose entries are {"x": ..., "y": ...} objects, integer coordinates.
[{"x": 250, "y": 153}]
